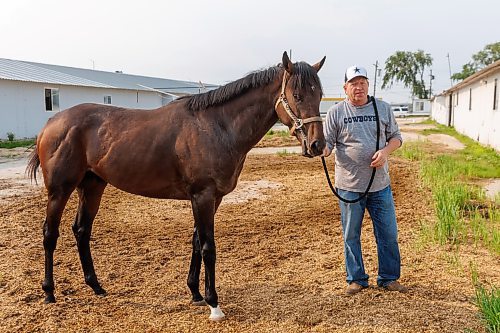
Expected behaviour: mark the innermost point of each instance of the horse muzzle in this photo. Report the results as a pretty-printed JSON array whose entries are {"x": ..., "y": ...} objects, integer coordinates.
[{"x": 314, "y": 149}]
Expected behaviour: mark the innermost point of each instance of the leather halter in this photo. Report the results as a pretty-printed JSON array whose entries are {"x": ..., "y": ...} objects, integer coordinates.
[{"x": 298, "y": 123}]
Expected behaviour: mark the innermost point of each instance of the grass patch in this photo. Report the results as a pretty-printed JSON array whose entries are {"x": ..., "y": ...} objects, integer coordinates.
[
  {"x": 463, "y": 213},
  {"x": 485, "y": 225},
  {"x": 411, "y": 151},
  {"x": 276, "y": 134},
  {"x": 473, "y": 161},
  {"x": 16, "y": 143},
  {"x": 284, "y": 152},
  {"x": 461, "y": 209},
  {"x": 488, "y": 302},
  {"x": 277, "y": 138}
]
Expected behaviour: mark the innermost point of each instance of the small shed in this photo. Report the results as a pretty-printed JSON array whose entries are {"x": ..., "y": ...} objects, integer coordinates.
[{"x": 421, "y": 106}]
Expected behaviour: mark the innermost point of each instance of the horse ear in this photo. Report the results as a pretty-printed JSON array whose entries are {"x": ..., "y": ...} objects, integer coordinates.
[
  {"x": 318, "y": 66},
  {"x": 287, "y": 64}
]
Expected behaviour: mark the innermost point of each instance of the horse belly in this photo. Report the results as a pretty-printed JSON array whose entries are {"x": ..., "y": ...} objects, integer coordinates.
[
  {"x": 137, "y": 178},
  {"x": 153, "y": 189}
]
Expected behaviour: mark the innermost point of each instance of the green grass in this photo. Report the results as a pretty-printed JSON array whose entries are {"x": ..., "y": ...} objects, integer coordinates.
[
  {"x": 473, "y": 161},
  {"x": 411, "y": 151},
  {"x": 485, "y": 227},
  {"x": 460, "y": 208},
  {"x": 284, "y": 152},
  {"x": 462, "y": 211},
  {"x": 488, "y": 302},
  {"x": 16, "y": 143},
  {"x": 272, "y": 134}
]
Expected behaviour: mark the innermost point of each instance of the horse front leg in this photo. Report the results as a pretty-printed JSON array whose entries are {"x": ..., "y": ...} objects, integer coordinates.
[
  {"x": 194, "y": 271},
  {"x": 205, "y": 205}
]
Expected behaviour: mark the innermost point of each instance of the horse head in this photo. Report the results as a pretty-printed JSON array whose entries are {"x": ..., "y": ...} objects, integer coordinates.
[{"x": 298, "y": 104}]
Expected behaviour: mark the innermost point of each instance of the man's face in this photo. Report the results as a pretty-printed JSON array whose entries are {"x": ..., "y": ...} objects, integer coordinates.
[{"x": 357, "y": 90}]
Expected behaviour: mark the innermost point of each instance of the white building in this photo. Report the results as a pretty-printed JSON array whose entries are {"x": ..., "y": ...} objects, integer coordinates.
[
  {"x": 31, "y": 93},
  {"x": 421, "y": 106},
  {"x": 472, "y": 107}
]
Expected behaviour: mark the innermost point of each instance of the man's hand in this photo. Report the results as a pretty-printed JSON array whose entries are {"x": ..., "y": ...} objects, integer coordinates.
[
  {"x": 326, "y": 152},
  {"x": 379, "y": 158}
]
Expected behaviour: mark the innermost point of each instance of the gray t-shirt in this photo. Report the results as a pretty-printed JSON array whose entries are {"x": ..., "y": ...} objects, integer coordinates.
[{"x": 350, "y": 132}]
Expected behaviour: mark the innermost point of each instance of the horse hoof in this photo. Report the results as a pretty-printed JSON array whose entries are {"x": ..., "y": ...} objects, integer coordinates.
[
  {"x": 216, "y": 314},
  {"x": 49, "y": 299},
  {"x": 102, "y": 295},
  {"x": 199, "y": 303},
  {"x": 100, "y": 292}
]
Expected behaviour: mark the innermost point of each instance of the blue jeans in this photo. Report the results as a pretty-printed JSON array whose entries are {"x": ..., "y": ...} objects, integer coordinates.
[{"x": 380, "y": 206}]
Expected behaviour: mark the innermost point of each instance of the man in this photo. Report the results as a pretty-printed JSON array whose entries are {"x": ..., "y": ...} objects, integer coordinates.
[{"x": 351, "y": 130}]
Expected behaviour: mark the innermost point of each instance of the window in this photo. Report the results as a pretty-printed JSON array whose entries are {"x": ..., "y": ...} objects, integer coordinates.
[
  {"x": 470, "y": 99},
  {"x": 51, "y": 99},
  {"x": 107, "y": 99},
  {"x": 495, "y": 96}
]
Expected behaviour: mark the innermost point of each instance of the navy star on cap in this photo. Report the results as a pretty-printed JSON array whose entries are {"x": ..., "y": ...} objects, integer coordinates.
[{"x": 355, "y": 71}]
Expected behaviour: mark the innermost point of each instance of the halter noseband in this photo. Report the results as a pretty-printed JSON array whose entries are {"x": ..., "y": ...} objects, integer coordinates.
[{"x": 298, "y": 123}]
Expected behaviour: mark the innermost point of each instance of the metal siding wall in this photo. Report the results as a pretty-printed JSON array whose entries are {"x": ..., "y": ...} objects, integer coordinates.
[
  {"x": 22, "y": 104},
  {"x": 22, "y": 109}
]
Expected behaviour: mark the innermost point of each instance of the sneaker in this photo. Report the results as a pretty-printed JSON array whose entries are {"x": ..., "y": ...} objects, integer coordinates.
[
  {"x": 354, "y": 288},
  {"x": 396, "y": 286}
]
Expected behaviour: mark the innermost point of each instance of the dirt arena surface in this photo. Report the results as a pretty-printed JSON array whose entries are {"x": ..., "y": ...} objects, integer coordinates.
[{"x": 279, "y": 262}]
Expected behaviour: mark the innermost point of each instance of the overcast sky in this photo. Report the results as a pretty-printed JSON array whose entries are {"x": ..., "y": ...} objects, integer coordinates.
[{"x": 218, "y": 41}]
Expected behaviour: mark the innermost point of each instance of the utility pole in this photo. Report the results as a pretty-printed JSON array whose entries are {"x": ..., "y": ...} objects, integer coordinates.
[
  {"x": 375, "y": 78},
  {"x": 430, "y": 84},
  {"x": 449, "y": 69}
]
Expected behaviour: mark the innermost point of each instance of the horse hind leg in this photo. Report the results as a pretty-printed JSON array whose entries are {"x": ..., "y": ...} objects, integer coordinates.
[
  {"x": 55, "y": 207},
  {"x": 90, "y": 191}
]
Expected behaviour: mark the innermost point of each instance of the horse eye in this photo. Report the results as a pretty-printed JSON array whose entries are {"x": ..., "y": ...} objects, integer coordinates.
[{"x": 297, "y": 97}]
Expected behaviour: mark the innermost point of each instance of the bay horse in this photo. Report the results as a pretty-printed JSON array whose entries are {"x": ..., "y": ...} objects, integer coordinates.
[{"x": 190, "y": 149}]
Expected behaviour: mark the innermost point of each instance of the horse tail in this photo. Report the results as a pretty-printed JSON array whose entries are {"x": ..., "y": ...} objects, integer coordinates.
[{"x": 33, "y": 164}]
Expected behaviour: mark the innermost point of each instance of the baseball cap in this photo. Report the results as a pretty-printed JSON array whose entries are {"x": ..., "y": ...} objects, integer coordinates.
[{"x": 354, "y": 71}]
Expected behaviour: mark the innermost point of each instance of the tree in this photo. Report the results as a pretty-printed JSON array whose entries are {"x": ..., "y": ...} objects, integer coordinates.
[
  {"x": 408, "y": 68},
  {"x": 483, "y": 58}
]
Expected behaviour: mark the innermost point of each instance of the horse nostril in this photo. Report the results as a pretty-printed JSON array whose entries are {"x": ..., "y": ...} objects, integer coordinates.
[{"x": 317, "y": 147}]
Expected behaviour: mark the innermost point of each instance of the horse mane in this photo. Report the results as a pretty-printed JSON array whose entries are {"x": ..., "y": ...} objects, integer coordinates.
[{"x": 303, "y": 75}]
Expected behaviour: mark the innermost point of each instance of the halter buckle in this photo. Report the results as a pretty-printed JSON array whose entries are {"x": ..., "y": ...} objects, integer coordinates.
[{"x": 298, "y": 124}]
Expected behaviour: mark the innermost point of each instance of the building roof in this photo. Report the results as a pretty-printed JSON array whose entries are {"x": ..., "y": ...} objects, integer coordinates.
[
  {"x": 488, "y": 70},
  {"x": 52, "y": 74}
]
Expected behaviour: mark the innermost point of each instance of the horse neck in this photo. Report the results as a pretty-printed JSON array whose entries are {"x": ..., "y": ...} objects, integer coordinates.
[{"x": 252, "y": 115}]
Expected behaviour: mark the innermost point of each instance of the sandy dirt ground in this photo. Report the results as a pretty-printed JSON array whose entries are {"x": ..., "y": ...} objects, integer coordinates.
[{"x": 280, "y": 265}]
